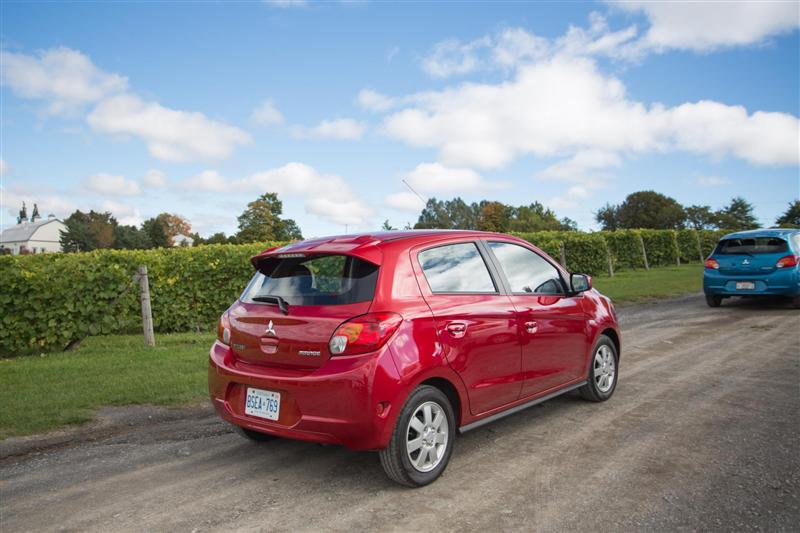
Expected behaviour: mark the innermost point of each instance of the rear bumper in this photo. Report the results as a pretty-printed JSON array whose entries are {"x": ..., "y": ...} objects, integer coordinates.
[
  {"x": 334, "y": 404},
  {"x": 778, "y": 283}
]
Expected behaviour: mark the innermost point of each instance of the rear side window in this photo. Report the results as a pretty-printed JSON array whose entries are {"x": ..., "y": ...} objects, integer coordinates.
[
  {"x": 527, "y": 271},
  {"x": 456, "y": 268},
  {"x": 752, "y": 245},
  {"x": 316, "y": 280}
]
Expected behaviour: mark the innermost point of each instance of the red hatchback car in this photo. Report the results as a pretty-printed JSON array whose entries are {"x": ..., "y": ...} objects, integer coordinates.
[{"x": 396, "y": 341}]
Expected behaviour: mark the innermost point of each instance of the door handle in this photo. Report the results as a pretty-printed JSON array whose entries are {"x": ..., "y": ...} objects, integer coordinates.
[
  {"x": 456, "y": 329},
  {"x": 531, "y": 327}
]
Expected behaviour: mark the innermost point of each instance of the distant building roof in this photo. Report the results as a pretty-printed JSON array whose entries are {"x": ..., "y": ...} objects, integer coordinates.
[{"x": 24, "y": 231}]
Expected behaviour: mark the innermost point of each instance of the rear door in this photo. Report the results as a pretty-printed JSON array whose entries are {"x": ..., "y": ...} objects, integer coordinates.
[
  {"x": 551, "y": 324},
  {"x": 750, "y": 256},
  {"x": 475, "y": 322},
  {"x": 320, "y": 292}
]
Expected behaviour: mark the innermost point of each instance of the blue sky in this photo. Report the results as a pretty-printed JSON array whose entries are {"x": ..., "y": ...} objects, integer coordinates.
[{"x": 196, "y": 109}]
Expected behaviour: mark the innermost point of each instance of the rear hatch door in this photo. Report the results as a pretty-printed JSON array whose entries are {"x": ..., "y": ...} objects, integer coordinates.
[
  {"x": 750, "y": 256},
  {"x": 317, "y": 293}
]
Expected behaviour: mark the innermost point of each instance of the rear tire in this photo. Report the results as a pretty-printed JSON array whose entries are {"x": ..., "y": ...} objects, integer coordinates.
[
  {"x": 255, "y": 436},
  {"x": 713, "y": 301},
  {"x": 422, "y": 440},
  {"x": 603, "y": 371}
]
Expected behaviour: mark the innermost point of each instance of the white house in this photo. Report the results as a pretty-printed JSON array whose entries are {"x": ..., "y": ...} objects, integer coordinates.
[
  {"x": 182, "y": 240},
  {"x": 37, "y": 236}
]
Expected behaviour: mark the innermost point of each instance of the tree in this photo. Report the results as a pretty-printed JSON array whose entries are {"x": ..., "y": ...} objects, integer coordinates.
[
  {"x": 386, "y": 226},
  {"x": 536, "y": 217},
  {"x": 608, "y": 217},
  {"x": 493, "y": 216},
  {"x": 156, "y": 233},
  {"x": 217, "y": 238},
  {"x": 737, "y": 215},
  {"x": 700, "y": 217},
  {"x": 643, "y": 209},
  {"x": 131, "y": 238},
  {"x": 262, "y": 221},
  {"x": 174, "y": 225},
  {"x": 791, "y": 218},
  {"x": 88, "y": 231}
]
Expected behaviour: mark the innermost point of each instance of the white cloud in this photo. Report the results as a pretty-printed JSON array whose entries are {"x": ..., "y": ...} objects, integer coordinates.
[
  {"x": 64, "y": 78},
  {"x": 11, "y": 199},
  {"x": 565, "y": 105},
  {"x": 374, "y": 101},
  {"x": 712, "y": 181},
  {"x": 126, "y": 214},
  {"x": 570, "y": 200},
  {"x": 325, "y": 195},
  {"x": 4, "y": 168},
  {"x": 208, "y": 180},
  {"x": 169, "y": 134},
  {"x": 584, "y": 167},
  {"x": 155, "y": 179},
  {"x": 437, "y": 178},
  {"x": 111, "y": 185},
  {"x": 405, "y": 201},
  {"x": 341, "y": 129},
  {"x": 704, "y": 26},
  {"x": 287, "y": 3},
  {"x": 452, "y": 57},
  {"x": 267, "y": 114}
]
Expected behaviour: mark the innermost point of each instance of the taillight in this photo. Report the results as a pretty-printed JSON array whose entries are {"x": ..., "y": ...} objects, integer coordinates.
[
  {"x": 788, "y": 261},
  {"x": 712, "y": 263},
  {"x": 224, "y": 329},
  {"x": 365, "y": 333}
]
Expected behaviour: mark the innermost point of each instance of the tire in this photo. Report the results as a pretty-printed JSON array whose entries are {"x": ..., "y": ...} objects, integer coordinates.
[
  {"x": 713, "y": 301},
  {"x": 603, "y": 371},
  {"x": 255, "y": 436},
  {"x": 425, "y": 405},
  {"x": 796, "y": 301}
]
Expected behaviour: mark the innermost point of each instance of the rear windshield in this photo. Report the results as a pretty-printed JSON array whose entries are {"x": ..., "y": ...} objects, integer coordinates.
[
  {"x": 317, "y": 280},
  {"x": 752, "y": 245}
]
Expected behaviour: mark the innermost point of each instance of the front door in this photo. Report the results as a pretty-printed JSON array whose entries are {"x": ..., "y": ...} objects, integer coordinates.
[
  {"x": 476, "y": 323},
  {"x": 552, "y": 324}
]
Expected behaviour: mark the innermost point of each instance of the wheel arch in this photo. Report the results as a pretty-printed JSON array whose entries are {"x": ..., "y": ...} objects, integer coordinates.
[
  {"x": 449, "y": 390},
  {"x": 612, "y": 334}
]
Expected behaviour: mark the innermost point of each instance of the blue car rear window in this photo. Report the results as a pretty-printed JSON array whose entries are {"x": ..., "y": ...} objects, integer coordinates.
[{"x": 751, "y": 246}]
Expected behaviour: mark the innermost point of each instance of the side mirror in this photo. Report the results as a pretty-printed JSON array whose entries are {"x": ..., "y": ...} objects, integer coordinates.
[{"x": 580, "y": 283}]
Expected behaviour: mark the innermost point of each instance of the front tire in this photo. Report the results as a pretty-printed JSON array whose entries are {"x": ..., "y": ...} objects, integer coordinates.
[
  {"x": 602, "y": 378},
  {"x": 713, "y": 301},
  {"x": 422, "y": 440}
]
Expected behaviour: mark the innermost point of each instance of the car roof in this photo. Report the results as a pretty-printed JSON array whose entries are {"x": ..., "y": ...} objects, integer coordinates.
[
  {"x": 766, "y": 232},
  {"x": 368, "y": 245}
]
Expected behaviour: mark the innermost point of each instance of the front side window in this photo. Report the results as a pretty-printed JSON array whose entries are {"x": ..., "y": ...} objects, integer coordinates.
[
  {"x": 527, "y": 271},
  {"x": 752, "y": 245},
  {"x": 456, "y": 268},
  {"x": 315, "y": 280}
]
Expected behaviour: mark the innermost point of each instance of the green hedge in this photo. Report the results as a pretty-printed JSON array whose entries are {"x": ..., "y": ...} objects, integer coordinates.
[{"x": 50, "y": 300}]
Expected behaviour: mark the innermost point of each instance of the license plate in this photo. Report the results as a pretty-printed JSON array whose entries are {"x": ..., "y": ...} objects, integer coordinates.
[
  {"x": 745, "y": 285},
  {"x": 262, "y": 403}
]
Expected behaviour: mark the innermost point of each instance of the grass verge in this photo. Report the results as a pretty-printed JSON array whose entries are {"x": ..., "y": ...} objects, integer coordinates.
[
  {"x": 41, "y": 393},
  {"x": 660, "y": 282}
]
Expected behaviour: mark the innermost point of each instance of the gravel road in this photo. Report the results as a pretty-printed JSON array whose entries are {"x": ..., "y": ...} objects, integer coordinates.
[{"x": 703, "y": 433}]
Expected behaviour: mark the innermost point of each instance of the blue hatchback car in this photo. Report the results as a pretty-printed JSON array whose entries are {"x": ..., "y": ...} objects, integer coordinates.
[{"x": 763, "y": 262}]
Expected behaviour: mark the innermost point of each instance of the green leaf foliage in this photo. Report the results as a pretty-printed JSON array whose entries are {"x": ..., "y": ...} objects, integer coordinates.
[{"x": 48, "y": 301}]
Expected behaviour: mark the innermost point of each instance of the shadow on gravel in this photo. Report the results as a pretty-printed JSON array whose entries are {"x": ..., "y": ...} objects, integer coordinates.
[{"x": 751, "y": 303}]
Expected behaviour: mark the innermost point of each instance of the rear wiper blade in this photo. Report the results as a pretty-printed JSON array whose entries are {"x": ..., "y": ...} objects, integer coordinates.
[{"x": 280, "y": 302}]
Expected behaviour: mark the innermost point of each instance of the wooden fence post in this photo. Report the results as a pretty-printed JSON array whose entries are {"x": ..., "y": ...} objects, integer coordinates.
[
  {"x": 644, "y": 253},
  {"x": 563, "y": 252},
  {"x": 677, "y": 248},
  {"x": 699, "y": 246},
  {"x": 610, "y": 263},
  {"x": 147, "y": 313}
]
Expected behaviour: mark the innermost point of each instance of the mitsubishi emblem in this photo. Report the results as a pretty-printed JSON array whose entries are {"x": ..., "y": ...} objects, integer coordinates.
[
  {"x": 746, "y": 262},
  {"x": 270, "y": 330}
]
